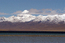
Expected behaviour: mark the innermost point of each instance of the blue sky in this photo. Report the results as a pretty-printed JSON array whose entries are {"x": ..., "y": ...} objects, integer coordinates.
[{"x": 11, "y": 6}]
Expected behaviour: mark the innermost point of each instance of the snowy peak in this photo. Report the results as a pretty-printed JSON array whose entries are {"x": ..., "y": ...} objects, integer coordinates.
[
  {"x": 25, "y": 11},
  {"x": 26, "y": 17}
]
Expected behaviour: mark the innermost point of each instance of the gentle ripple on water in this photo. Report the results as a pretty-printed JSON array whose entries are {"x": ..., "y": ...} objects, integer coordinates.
[{"x": 31, "y": 39}]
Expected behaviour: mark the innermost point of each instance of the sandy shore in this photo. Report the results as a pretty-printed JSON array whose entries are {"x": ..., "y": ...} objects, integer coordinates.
[{"x": 37, "y": 35}]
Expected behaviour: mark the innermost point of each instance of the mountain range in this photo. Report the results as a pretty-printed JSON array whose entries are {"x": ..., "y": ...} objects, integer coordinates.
[{"x": 28, "y": 22}]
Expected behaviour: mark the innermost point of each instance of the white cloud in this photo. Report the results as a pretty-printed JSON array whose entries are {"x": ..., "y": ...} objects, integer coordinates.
[
  {"x": 34, "y": 11},
  {"x": 17, "y": 12},
  {"x": 42, "y": 11}
]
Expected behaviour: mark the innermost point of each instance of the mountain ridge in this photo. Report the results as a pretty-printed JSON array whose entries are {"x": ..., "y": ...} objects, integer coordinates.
[
  {"x": 31, "y": 26},
  {"x": 25, "y": 17}
]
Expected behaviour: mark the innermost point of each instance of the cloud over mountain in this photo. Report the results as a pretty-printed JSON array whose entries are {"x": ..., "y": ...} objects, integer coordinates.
[
  {"x": 43, "y": 11},
  {"x": 17, "y": 12}
]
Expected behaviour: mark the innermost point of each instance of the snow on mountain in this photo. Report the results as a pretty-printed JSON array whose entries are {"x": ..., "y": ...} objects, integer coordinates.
[
  {"x": 2, "y": 19},
  {"x": 25, "y": 17}
]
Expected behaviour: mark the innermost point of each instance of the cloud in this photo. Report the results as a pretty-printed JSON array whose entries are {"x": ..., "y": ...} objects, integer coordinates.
[
  {"x": 3, "y": 13},
  {"x": 17, "y": 12},
  {"x": 34, "y": 11},
  {"x": 43, "y": 11}
]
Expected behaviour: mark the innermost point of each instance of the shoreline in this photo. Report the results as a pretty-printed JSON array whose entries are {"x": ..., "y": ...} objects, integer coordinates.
[
  {"x": 37, "y": 35},
  {"x": 32, "y": 32}
]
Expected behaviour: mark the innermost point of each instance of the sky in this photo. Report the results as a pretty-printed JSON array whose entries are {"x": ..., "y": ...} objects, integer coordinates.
[{"x": 43, "y": 7}]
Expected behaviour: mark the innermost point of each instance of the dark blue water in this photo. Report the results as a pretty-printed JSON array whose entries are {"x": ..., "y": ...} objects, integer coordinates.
[{"x": 31, "y": 39}]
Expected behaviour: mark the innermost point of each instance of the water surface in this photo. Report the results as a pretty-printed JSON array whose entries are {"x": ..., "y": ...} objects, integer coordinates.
[{"x": 31, "y": 38}]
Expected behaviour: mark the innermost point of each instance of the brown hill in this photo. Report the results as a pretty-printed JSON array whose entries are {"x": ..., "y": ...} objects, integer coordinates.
[{"x": 31, "y": 26}]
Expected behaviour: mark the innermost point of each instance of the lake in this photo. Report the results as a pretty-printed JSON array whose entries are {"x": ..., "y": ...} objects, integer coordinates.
[{"x": 32, "y": 38}]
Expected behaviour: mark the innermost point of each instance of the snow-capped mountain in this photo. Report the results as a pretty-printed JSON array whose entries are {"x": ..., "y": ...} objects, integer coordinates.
[
  {"x": 26, "y": 17},
  {"x": 28, "y": 22}
]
